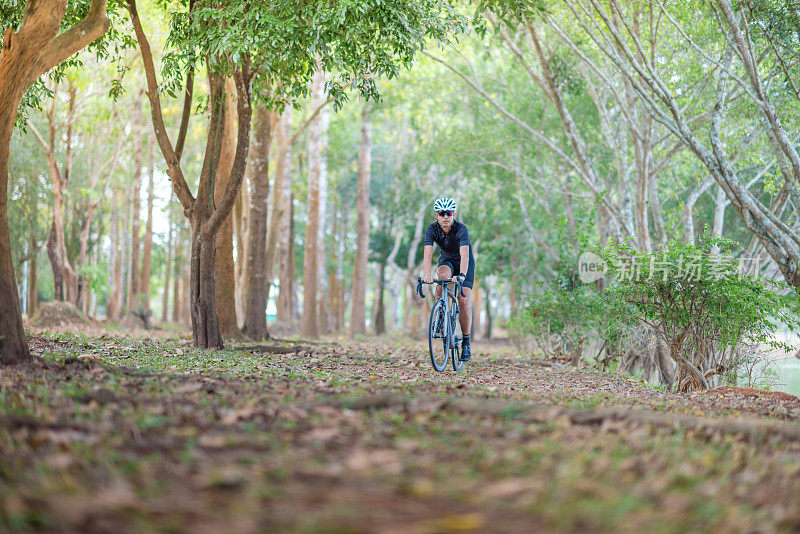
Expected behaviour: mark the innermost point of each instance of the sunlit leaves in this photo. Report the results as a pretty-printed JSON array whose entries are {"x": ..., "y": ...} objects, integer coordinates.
[{"x": 356, "y": 42}]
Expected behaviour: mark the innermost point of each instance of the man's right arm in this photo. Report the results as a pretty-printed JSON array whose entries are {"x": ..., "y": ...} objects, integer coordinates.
[{"x": 427, "y": 261}]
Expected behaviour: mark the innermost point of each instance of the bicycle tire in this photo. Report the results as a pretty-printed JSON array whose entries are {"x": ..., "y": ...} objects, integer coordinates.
[
  {"x": 454, "y": 350},
  {"x": 434, "y": 335}
]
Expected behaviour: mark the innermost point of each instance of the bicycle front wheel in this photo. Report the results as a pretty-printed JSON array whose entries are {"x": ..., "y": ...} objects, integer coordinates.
[
  {"x": 454, "y": 346},
  {"x": 437, "y": 337}
]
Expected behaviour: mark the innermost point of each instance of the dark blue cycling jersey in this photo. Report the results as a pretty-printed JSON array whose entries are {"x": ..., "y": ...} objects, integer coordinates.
[{"x": 449, "y": 243}]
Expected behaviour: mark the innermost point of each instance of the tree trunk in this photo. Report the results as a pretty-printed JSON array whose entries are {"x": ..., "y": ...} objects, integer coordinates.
[
  {"x": 240, "y": 234},
  {"x": 205, "y": 324},
  {"x": 336, "y": 279},
  {"x": 488, "y": 303},
  {"x": 33, "y": 274},
  {"x": 13, "y": 344},
  {"x": 70, "y": 276},
  {"x": 323, "y": 292},
  {"x": 280, "y": 213},
  {"x": 113, "y": 291},
  {"x": 477, "y": 306},
  {"x": 333, "y": 300},
  {"x": 186, "y": 305},
  {"x": 133, "y": 301},
  {"x": 286, "y": 298},
  {"x": 167, "y": 272},
  {"x": 83, "y": 284},
  {"x": 177, "y": 288},
  {"x": 63, "y": 274},
  {"x": 255, "y": 318},
  {"x": 148, "y": 233},
  {"x": 290, "y": 265},
  {"x": 720, "y": 202},
  {"x": 26, "y": 54},
  {"x": 308, "y": 325},
  {"x": 224, "y": 269},
  {"x": 358, "y": 314},
  {"x": 380, "y": 306},
  {"x": 91, "y": 297},
  {"x": 55, "y": 263},
  {"x": 412, "y": 304},
  {"x": 656, "y": 210}
]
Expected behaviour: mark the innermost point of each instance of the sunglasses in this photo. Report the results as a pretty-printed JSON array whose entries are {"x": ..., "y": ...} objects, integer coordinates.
[{"x": 446, "y": 213}]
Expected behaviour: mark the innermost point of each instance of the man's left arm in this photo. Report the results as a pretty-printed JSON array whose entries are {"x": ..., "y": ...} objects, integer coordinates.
[
  {"x": 464, "y": 250},
  {"x": 463, "y": 241}
]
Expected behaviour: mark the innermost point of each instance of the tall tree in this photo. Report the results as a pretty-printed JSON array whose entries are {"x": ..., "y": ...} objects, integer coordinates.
[
  {"x": 255, "y": 319},
  {"x": 309, "y": 326},
  {"x": 206, "y": 217},
  {"x": 323, "y": 289},
  {"x": 102, "y": 169},
  {"x": 147, "y": 252},
  {"x": 286, "y": 287},
  {"x": 114, "y": 260},
  {"x": 34, "y": 48},
  {"x": 224, "y": 269},
  {"x": 167, "y": 273},
  {"x": 60, "y": 174},
  {"x": 280, "y": 223},
  {"x": 358, "y": 314},
  {"x": 178, "y": 264},
  {"x": 33, "y": 249},
  {"x": 134, "y": 298}
]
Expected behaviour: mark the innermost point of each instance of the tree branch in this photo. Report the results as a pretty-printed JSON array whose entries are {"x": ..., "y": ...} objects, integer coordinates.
[
  {"x": 187, "y": 111},
  {"x": 173, "y": 164},
  {"x": 308, "y": 121},
  {"x": 244, "y": 110},
  {"x": 67, "y": 44}
]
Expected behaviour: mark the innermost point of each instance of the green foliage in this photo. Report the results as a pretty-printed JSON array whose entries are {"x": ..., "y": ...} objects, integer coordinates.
[
  {"x": 699, "y": 290},
  {"x": 511, "y": 10},
  {"x": 356, "y": 42},
  {"x": 693, "y": 297},
  {"x": 562, "y": 320},
  {"x": 564, "y": 314},
  {"x": 96, "y": 276},
  {"x": 698, "y": 302}
]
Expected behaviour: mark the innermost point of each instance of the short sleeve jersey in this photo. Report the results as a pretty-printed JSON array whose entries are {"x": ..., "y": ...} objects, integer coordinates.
[{"x": 448, "y": 243}]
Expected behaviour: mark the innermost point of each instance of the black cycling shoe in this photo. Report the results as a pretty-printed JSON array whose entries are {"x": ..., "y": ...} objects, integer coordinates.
[{"x": 466, "y": 353}]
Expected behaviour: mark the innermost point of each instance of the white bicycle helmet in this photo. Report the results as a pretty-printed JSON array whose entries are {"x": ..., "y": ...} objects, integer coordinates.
[{"x": 444, "y": 203}]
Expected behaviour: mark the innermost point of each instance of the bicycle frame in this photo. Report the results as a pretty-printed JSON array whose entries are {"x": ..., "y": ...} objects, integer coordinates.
[{"x": 451, "y": 309}]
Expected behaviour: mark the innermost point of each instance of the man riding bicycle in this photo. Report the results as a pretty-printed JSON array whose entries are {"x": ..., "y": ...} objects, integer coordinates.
[{"x": 455, "y": 261}]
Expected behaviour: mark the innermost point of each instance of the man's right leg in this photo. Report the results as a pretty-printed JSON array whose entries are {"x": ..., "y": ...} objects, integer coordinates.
[{"x": 443, "y": 272}]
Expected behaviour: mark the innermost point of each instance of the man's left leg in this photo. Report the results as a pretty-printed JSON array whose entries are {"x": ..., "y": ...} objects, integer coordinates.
[{"x": 465, "y": 318}]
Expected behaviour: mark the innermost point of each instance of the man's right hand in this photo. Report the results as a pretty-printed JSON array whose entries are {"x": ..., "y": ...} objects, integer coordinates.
[{"x": 427, "y": 279}]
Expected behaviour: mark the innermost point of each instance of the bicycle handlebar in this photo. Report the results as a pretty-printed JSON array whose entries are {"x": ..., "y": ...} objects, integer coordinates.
[{"x": 443, "y": 282}]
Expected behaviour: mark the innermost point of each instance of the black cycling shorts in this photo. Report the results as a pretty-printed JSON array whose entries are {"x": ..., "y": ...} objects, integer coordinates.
[{"x": 455, "y": 265}]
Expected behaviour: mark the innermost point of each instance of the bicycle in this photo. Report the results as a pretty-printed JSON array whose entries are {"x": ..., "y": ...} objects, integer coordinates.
[{"x": 442, "y": 324}]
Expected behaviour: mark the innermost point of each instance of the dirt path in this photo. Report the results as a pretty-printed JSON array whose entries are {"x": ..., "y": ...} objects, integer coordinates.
[{"x": 113, "y": 434}]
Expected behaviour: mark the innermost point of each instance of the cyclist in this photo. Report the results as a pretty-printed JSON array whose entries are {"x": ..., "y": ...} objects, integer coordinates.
[{"x": 455, "y": 261}]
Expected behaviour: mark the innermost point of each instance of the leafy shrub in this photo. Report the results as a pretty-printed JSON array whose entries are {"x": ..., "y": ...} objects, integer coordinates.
[
  {"x": 562, "y": 321},
  {"x": 564, "y": 316},
  {"x": 696, "y": 300}
]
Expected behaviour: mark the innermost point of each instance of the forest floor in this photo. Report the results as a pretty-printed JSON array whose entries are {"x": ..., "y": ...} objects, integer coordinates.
[{"x": 112, "y": 433}]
